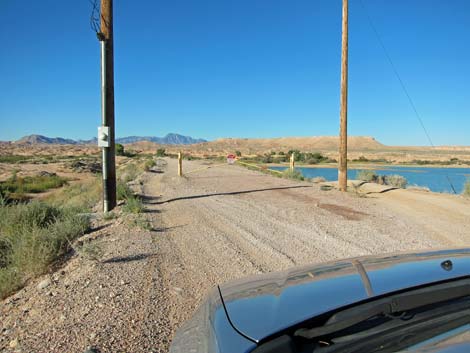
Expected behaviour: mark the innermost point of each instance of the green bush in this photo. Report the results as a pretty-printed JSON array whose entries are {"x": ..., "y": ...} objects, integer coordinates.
[
  {"x": 238, "y": 153},
  {"x": 32, "y": 236},
  {"x": 14, "y": 159},
  {"x": 361, "y": 159},
  {"x": 397, "y": 181},
  {"x": 31, "y": 184},
  {"x": 149, "y": 165},
  {"x": 292, "y": 174},
  {"x": 133, "y": 205},
  {"x": 366, "y": 175},
  {"x": 123, "y": 191},
  {"x": 119, "y": 149},
  {"x": 372, "y": 177},
  {"x": 161, "y": 152}
]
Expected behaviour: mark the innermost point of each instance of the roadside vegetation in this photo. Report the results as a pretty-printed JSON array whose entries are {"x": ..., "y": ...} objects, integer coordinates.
[
  {"x": 466, "y": 188},
  {"x": 121, "y": 151},
  {"x": 161, "y": 152},
  {"x": 451, "y": 161},
  {"x": 14, "y": 188},
  {"x": 363, "y": 159},
  {"x": 32, "y": 237},
  {"x": 43, "y": 159},
  {"x": 284, "y": 157},
  {"x": 292, "y": 174},
  {"x": 371, "y": 176},
  {"x": 36, "y": 234}
]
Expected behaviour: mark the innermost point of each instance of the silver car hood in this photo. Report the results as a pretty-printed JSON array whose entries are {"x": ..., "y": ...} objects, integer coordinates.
[{"x": 262, "y": 305}]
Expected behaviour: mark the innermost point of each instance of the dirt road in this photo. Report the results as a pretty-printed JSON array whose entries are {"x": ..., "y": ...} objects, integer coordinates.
[
  {"x": 209, "y": 227},
  {"x": 228, "y": 222}
]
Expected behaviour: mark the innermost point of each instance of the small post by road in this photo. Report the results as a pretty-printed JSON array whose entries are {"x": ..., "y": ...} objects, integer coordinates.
[
  {"x": 180, "y": 164},
  {"x": 343, "y": 131},
  {"x": 107, "y": 105},
  {"x": 292, "y": 161}
]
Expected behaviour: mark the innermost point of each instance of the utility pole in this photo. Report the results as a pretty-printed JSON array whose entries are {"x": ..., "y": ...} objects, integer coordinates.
[
  {"x": 343, "y": 130},
  {"x": 107, "y": 105}
]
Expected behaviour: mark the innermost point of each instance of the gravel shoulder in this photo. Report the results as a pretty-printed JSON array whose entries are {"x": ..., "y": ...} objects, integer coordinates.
[{"x": 208, "y": 227}]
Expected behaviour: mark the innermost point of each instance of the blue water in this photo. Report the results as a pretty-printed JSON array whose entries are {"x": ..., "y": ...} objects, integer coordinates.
[{"x": 433, "y": 178}]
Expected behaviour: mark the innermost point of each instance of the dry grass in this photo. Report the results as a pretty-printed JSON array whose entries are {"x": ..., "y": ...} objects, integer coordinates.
[
  {"x": 32, "y": 236},
  {"x": 15, "y": 186},
  {"x": 82, "y": 195}
]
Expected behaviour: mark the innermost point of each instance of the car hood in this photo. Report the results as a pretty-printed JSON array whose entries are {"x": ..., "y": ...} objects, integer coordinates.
[{"x": 262, "y": 305}]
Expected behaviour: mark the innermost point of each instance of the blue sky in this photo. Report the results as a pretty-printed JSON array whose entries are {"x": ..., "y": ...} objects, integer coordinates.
[{"x": 245, "y": 68}]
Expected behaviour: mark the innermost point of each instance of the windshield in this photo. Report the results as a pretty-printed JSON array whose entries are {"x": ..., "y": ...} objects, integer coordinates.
[{"x": 392, "y": 323}]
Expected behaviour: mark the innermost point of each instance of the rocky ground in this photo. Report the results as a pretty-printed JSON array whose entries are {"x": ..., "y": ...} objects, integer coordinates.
[{"x": 208, "y": 227}]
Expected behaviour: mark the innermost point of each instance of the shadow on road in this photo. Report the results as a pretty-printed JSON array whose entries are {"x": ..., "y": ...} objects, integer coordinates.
[
  {"x": 95, "y": 229},
  {"x": 128, "y": 258},
  {"x": 151, "y": 200},
  {"x": 230, "y": 193},
  {"x": 165, "y": 229}
]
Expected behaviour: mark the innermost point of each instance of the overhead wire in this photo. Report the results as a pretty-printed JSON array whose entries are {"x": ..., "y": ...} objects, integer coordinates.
[{"x": 402, "y": 84}]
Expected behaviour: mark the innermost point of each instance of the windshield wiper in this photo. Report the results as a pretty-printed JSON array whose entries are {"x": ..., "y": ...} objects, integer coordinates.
[{"x": 389, "y": 306}]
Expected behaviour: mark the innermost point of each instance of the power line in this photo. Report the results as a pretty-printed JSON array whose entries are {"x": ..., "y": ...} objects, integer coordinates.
[{"x": 402, "y": 84}]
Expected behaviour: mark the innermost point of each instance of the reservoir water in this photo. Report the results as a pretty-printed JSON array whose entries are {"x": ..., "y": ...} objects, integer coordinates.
[{"x": 436, "y": 179}]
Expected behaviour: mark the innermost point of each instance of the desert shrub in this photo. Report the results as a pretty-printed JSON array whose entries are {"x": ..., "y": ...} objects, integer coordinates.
[
  {"x": 82, "y": 195},
  {"x": 397, "y": 181},
  {"x": 161, "y": 152},
  {"x": 107, "y": 216},
  {"x": 466, "y": 188},
  {"x": 32, "y": 236},
  {"x": 366, "y": 175},
  {"x": 361, "y": 159},
  {"x": 372, "y": 177},
  {"x": 267, "y": 158},
  {"x": 133, "y": 205},
  {"x": 141, "y": 222},
  {"x": 298, "y": 155},
  {"x": 32, "y": 184},
  {"x": 119, "y": 149},
  {"x": 238, "y": 153},
  {"x": 280, "y": 159},
  {"x": 149, "y": 165},
  {"x": 14, "y": 159},
  {"x": 129, "y": 172},
  {"x": 292, "y": 174},
  {"x": 123, "y": 191}
]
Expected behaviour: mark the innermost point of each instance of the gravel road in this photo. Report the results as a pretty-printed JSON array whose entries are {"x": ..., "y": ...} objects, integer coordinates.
[{"x": 208, "y": 227}]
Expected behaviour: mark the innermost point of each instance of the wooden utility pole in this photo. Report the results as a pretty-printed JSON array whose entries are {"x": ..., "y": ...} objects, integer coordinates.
[
  {"x": 180, "y": 164},
  {"x": 292, "y": 162},
  {"x": 343, "y": 131},
  {"x": 107, "y": 103}
]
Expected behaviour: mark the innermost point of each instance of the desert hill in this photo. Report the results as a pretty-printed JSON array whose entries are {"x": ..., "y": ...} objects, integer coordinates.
[{"x": 168, "y": 139}]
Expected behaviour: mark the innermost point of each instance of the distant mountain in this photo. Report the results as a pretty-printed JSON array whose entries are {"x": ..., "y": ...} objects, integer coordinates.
[
  {"x": 169, "y": 139},
  {"x": 37, "y": 139}
]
